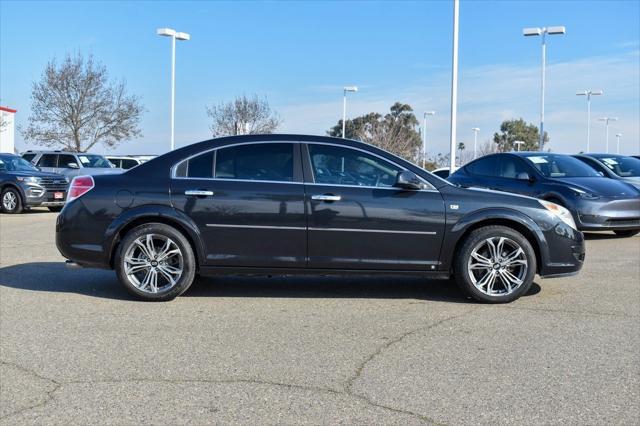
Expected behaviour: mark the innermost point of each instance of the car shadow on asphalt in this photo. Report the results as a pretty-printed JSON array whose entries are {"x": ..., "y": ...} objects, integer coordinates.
[{"x": 56, "y": 277}]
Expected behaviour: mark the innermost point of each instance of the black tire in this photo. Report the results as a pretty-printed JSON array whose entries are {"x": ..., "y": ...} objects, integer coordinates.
[
  {"x": 627, "y": 233},
  {"x": 475, "y": 239},
  {"x": 55, "y": 209},
  {"x": 15, "y": 195},
  {"x": 188, "y": 262}
]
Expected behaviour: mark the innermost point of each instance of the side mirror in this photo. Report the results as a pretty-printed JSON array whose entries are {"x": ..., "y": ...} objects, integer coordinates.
[
  {"x": 526, "y": 176},
  {"x": 408, "y": 180},
  {"x": 72, "y": 166}
]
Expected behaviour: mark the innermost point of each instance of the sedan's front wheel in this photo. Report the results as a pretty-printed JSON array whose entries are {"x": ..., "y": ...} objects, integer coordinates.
[
  {"x": 495, "y": 264},
  {"x": 155, "y": 262}
]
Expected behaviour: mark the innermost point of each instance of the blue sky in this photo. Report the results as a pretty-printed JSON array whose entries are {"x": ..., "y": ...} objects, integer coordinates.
[{"x": 300, "y": 54}]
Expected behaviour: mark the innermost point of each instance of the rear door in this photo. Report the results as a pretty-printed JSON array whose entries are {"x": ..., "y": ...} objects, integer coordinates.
[
  {"x": 248, "y": 203},
  {"x": 358, "y": 220}
]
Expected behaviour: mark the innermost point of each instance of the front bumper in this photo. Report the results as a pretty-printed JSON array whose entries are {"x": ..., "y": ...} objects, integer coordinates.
[
  {"x": 565, "y": 252},
  {"x": 41, "y": 196},
  {"x": 608, "y": 214}
]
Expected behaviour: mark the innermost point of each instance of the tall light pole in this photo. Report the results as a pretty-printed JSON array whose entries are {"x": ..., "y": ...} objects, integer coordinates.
[
  {"x": 424, "y": 137},
  {"x": 454, "y": 89},
  {"x": 344, "y": 106},
  {"x": 517, "y": 144},
  {"x": 588, "y": 94},
  {"x": 606, "y": 125},
  {"x": 528, "y": 32},
  {"x": 168, "y": 32},
  {"x": 475, "y": 140},
  {"x": 618, "y": 135}
]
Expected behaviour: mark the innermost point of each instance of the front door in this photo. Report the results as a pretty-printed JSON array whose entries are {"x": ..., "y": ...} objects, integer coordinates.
[
  {"x": 358, "y": 220},
  {"x": 248, "y": 203}
]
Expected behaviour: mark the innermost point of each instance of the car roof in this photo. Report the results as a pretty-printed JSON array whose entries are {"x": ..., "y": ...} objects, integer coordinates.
[{"x": 33, "y": 151}]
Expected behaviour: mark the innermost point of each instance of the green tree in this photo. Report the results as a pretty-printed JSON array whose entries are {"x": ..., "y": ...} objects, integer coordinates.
[
  {"x": 395, "y": 132},
  {"x": 518, "y": 130}
]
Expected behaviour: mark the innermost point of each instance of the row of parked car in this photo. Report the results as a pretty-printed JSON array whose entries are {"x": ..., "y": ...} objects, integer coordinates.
[
  {"x": 602, "y": 191},
  {"x": 41, "y": 178}
]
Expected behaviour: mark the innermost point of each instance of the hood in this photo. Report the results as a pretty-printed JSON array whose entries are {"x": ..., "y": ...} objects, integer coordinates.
[
  {"x": 601, "y": 186},
  {"x": 36, "y": 173}
]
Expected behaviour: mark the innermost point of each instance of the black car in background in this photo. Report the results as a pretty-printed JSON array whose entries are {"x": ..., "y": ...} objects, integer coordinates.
[
  {"x": 597, "y": 203},
  {"x": 285, "y": 204},
  {"x": 614, "y": 166},
  {"x": 22, "y": 186}
]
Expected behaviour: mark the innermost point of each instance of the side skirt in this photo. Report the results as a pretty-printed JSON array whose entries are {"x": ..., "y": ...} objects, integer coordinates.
[{"x": 231, "y": 270}]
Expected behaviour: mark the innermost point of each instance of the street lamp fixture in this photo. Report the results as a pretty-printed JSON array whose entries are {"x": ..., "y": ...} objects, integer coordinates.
[
  {"x": 606, "y": 125},
  {"x": 588, "y": 94},
  {"x": 175, "y": 35},
  {"x": 532, "y": 32},
  {"x": 517, "y": 144},
  {"x": 424, "y": 137},
  {"x": 346, "y": 89},
  {"x": 475, "y": 140}
]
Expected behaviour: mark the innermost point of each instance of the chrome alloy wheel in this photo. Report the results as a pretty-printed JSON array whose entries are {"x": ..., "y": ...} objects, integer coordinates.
[
  {"x": 153, "y": 263},
  {"x": 9, "y": 200},
  {"x": 497, "y": 266}
]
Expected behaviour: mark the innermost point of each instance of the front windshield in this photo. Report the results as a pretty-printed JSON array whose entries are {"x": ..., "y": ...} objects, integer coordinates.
[
  {"x": 16, "y": 164},
  {"x": 560, "y": 166},
  {"x": 621, "y": 165},
  {"x": 91, "y": 160}
]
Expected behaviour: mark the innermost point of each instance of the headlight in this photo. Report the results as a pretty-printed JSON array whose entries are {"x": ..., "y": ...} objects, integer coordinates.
[
  {"x": 583, "y": 194},
  {"x": 29, "y": 179},
  {"x": 560, "y": 212}
]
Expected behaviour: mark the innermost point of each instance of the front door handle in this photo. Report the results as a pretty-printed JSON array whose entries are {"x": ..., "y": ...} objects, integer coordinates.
[
  {"x": 198, "y": 193},
  {"x": 326, "y": 197}
]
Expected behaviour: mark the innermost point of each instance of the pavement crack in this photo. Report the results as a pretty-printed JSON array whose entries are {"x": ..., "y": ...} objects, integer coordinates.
[
  {"x": 569, "y": 311},
  {"x": 48, "y": 393}
]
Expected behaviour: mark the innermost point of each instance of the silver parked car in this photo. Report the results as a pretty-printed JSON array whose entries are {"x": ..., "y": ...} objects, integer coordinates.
[{"x": 71, "y": 164}]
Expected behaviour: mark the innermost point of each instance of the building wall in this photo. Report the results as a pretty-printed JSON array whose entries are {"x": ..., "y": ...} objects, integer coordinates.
[{"x": 7, "y": 130}]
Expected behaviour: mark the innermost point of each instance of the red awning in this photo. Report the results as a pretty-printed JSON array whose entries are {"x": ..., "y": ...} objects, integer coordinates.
[{"x": 6, "y": 109}]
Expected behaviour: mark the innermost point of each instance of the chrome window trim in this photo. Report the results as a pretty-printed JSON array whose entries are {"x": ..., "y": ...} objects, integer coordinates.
[{"x": 175, "y": 166}]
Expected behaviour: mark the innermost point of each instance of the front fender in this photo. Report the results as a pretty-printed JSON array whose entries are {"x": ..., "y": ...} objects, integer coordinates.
[
  {"x": 495, "y": 216},
  {"x": 160, "y": 213}
]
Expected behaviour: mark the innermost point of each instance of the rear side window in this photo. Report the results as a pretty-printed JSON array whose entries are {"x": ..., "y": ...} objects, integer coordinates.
[
  {"x": 28, "y": 157},
  {"x": 263, "y": 161},
  {"x": 64, "y": 160},
  {"x": 128, "y": 164},
  {"x": 484, "y": 167},
  {"x": 197, "y": 167},
  {"x": 48, "y": 160}
]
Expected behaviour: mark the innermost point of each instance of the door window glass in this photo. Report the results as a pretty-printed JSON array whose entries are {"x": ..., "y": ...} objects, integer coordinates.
[
  {"x": 128, "y": 164},
  {"x": 487, "y": 166},
  {"x": 28, "y": 157},
  {"x": 48, "y": 160},
  {"x": 64, "y": 160},
  {"x": 263, "y": 161},
  {"x": 344, "y": 166},
  {"x": 512, "y": 168},
  {"x": 197, "y": 167}
]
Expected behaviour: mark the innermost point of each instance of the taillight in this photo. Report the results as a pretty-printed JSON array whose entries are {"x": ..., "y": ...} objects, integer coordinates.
[{"x": 80, "y": 185}]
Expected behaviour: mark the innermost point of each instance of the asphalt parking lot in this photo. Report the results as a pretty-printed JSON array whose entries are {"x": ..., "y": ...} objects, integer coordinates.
[{"x": 76, "y": 349}]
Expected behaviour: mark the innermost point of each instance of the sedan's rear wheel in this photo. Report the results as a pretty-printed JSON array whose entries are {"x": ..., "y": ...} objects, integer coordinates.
[
  {"x": 155, "y": 262},
  {"x": 495, "y": 264}
]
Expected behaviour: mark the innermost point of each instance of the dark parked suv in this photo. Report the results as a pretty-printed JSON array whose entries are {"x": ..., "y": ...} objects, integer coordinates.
[
  {"x": 597, "y": 203},
  {"x": 283, "y": 204},
  {"x": 22, "y": 186}
]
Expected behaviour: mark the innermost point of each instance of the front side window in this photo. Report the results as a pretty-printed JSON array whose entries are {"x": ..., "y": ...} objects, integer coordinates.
[
  {"x": 263, "y": 161},
  {"x": 512, "y": 168},
  {"x": 487, "y": 166},
  {"x": 28, "y": 157},
  {"x": 48, "y": 160},
  {"x": 344, "y": 166},
  {"x": 92, "y": 160}
]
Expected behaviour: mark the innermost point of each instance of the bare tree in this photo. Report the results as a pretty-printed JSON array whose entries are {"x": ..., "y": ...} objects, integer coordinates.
[
  {"x": 243, "y": 116},
  {"x": 487, "y": 147},
  {"x": 75, "y": 105}
]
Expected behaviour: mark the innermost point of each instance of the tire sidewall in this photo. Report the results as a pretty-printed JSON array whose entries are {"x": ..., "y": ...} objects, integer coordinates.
[
  {"x": 18, "y": 207},
  {"x": 188, "y": 259},
  {"x": 462, "y": 258}
]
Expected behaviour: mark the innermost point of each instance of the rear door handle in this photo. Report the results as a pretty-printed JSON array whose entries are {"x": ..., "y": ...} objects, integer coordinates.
[
  {"x": 326, "y": 197},
  {"x": 198, "y": 193}
]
